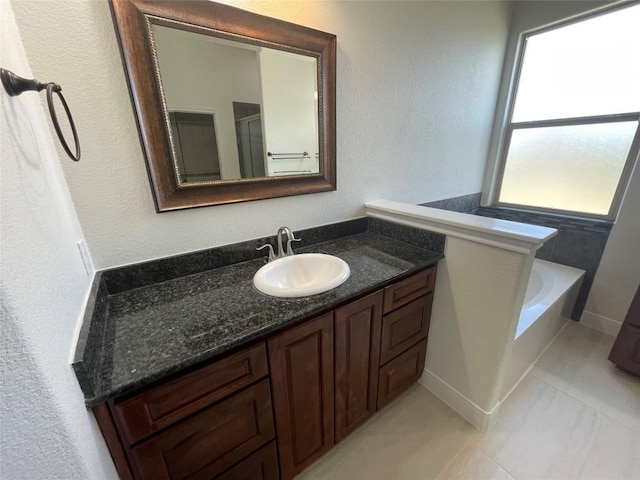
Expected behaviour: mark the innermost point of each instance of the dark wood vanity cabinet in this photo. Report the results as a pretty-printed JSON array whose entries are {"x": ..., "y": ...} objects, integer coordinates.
[
  {"x": 210, "y": 422},
  {"x": 326, "y": 384},
  {"x": 206, "y": 444},
  {"x": 626, "y": 349},
  {"x": 301, "y": 362},
  {"x": 357, "y": 355},
  {"x": 272, "y": 409},
  {"x": 168, "y": 403}
]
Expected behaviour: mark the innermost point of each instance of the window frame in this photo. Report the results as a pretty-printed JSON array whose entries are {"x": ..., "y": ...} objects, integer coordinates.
[{"x": 508, "y": 126}]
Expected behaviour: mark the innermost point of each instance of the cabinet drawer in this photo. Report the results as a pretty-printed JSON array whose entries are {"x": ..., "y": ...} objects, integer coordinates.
[
  {"x": 404, "y": 327},
  {"x": 400, "y": 373},
  {"x": 409, "y": 289},
  {"x": 262, "y": 465},
  {"x": 210, "y": 442},
  {"x": 162, "y": 406}
]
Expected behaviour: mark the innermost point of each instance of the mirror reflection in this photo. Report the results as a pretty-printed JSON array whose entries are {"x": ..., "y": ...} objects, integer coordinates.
[{"x": 236, "y": 110}]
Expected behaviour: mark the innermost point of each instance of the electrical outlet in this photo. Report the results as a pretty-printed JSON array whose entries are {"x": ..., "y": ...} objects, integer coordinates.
[{"x": 86, "y": 257}]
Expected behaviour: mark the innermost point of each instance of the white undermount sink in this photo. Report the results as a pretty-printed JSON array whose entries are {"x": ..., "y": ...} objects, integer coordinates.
[{"x": 301, "y": 275}]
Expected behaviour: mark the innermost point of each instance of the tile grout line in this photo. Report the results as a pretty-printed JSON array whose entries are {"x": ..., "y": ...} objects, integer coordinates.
[
  {"x": 598, "y": 412},
  {"x": 458, "y": 453},
  {"x": 596, "y": 409},
  {"x": 358, "y": 431},
  {"x": 586, "y": 460}
]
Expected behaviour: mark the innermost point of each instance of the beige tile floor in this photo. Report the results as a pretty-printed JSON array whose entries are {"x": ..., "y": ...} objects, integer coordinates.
[{"x": 575, "y": 416}]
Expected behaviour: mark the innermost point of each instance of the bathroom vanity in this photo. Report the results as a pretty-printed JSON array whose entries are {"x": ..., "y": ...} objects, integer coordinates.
[{"x": 252, "y": 386}]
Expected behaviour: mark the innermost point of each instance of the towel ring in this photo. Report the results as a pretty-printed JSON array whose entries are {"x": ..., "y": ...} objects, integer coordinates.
[{"x": 16, "y": 85}]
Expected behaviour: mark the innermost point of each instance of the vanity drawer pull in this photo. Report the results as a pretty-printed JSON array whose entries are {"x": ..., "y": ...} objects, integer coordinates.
[
  {"x": 210, "y": 442},
  {"x": 159, "y": 407},
  {"x": 409, "y": 289},
  {"x": 404, "y": 327}
]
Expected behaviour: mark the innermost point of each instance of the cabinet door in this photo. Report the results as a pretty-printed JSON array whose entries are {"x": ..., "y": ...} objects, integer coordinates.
[
  {"x": 626, "y": 349},
  {"x": 357, "y": 354},
  {"x": 301, "y": 364}
]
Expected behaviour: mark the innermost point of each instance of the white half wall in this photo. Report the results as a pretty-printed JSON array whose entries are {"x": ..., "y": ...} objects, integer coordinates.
[
  {"x": 45, "y": 431},
  {"x": 417, "y": 84},
  {"x": 477, "y": 302},
  {"x": 479, "y": 293}
]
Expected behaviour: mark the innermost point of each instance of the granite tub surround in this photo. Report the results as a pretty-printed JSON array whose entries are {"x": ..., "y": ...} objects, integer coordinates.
[
  {"x": 137, "y": 331},
  {"x": 463, "y": 204},
  {"x": 580, "y": 242}
]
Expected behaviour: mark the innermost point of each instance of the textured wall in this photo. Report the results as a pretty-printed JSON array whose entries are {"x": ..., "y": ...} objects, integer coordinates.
[
  {"x": 417, "y": 86},
  {"x": 45, "y": 430},
  {"x": 618, "y": 275}
]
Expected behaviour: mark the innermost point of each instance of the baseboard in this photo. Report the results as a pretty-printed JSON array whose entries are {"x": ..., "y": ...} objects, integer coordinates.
[
  {"x": 600, "y": 323},
  {"x": 478, "y": 417}
]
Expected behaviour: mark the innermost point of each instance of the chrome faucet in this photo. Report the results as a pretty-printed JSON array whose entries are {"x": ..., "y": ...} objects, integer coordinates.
[
  {"x": 287, "y": 231},
  {"x": 281, "y": 251}
]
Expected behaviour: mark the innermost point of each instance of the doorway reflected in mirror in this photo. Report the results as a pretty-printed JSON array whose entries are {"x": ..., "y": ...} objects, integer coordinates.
[{"x": 196, "y": 145}]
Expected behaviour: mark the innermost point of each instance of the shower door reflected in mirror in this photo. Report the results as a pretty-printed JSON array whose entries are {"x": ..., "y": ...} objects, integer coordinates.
[
  {"x": 250, "y": 139},
  {"x": 265, "y": 101}
]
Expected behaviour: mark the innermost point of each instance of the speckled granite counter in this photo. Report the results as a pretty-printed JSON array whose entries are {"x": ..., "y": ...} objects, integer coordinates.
[{"x": 134, "y": 337}]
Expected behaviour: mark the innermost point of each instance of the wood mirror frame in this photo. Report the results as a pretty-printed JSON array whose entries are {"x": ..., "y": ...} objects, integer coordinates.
[{"x": 130, "y": 19}]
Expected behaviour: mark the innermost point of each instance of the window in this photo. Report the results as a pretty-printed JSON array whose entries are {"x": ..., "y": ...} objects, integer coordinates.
[{"x": 572, "y": 134}]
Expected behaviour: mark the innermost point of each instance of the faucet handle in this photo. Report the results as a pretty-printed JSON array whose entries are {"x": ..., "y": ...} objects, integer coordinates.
[
  {"x": 292, "y": 239},
  {"x": 272, "y": 255}
]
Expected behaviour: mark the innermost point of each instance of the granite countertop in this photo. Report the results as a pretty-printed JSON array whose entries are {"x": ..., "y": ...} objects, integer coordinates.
[{"x": 160, "y": 329}]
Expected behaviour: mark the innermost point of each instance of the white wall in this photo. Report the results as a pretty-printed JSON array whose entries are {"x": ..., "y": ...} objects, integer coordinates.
[
  {"x": 618, "y": 274},
  {"x": 45, "y": 431},
  {"x": 290, "y": 109},
  {"x": 218, "y": 75},
  {"x": 416, "y": 90}
]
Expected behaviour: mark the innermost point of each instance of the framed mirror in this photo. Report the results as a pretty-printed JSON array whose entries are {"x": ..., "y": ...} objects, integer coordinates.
[{"x": 231, "y": 106}]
